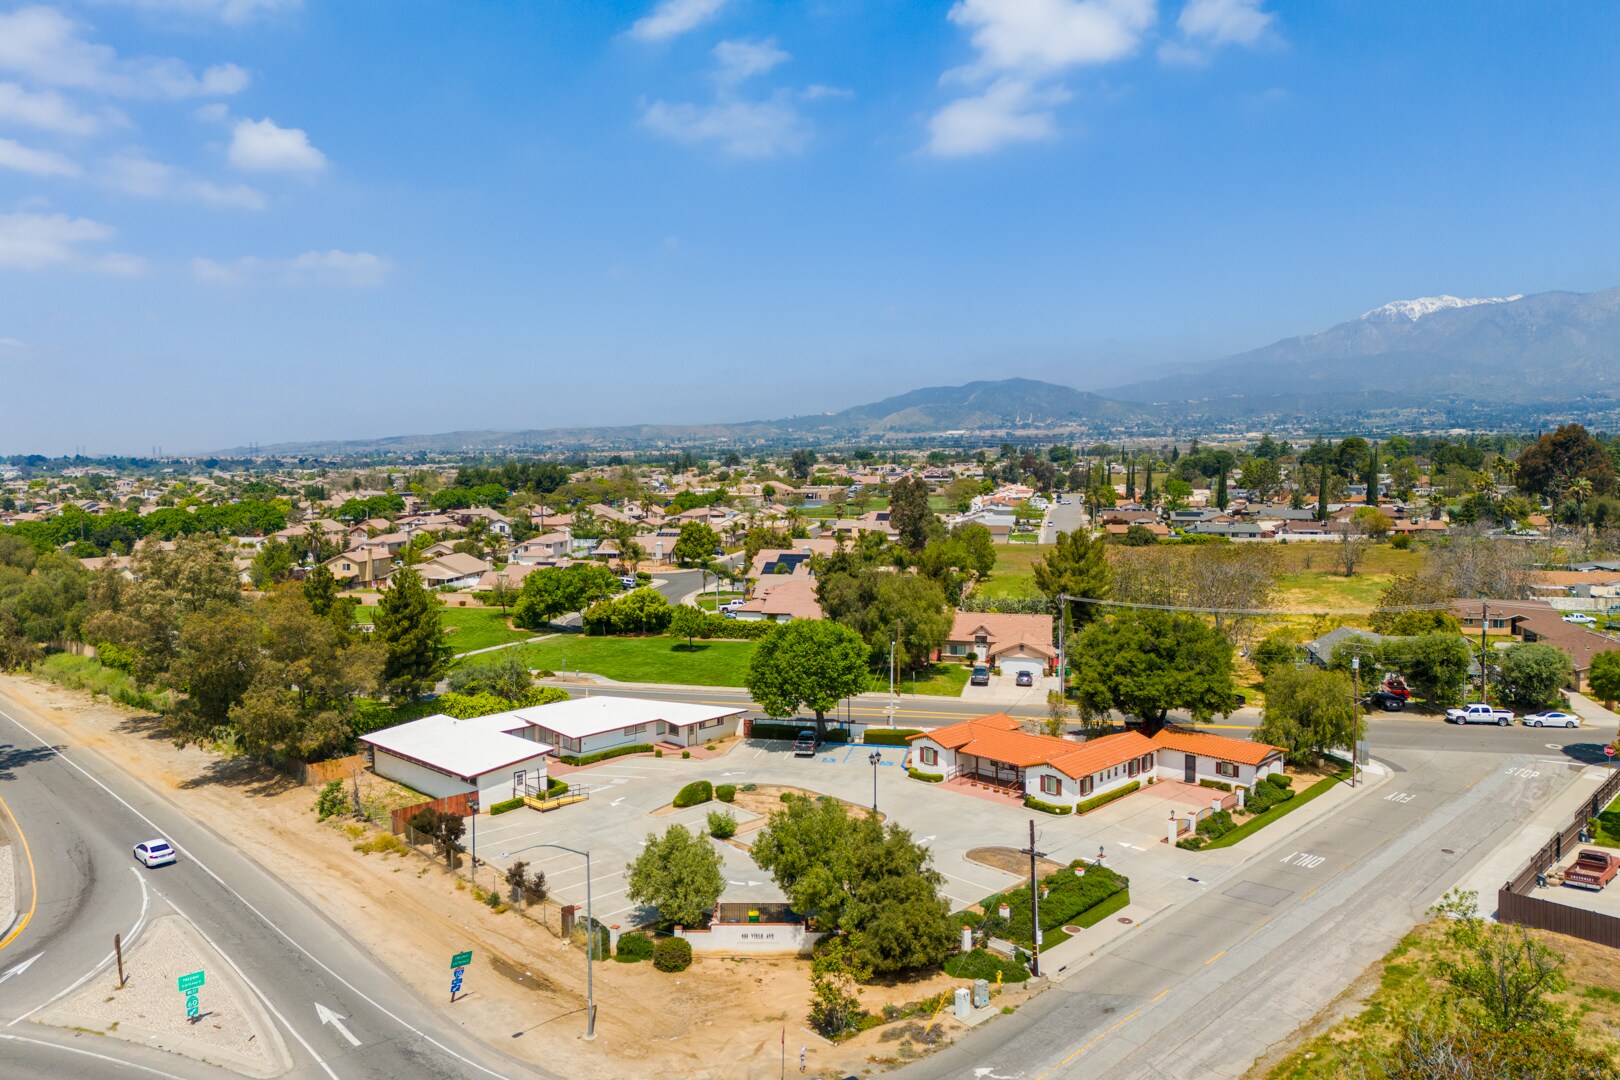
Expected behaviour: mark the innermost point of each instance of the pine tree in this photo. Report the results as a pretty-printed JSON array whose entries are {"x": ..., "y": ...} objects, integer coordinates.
[
  {"x": 1372, "y": 475},
  {"x": 1147, "y": 485},
  {"x": 1130, "y": 479},
  {"x": 1220, "y": 490},
  {"x": 1322, "y": 493},
  {"x": 407, "y": 624}
]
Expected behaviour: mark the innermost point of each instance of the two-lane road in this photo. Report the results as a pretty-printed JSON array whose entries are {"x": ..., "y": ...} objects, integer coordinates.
[{"x": 79, "y": 818}]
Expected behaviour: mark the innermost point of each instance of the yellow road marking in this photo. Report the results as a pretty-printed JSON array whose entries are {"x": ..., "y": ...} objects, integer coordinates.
[
  {"x": 1098, "y": 1039},
  {"x": 33, "y": 885},
  {"x": 1214, "y": 958},
  {"x": 1161, "y": 994}
]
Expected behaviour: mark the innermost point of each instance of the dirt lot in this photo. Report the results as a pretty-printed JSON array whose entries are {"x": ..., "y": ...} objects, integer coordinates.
[{"x": 720, "y": 1018}]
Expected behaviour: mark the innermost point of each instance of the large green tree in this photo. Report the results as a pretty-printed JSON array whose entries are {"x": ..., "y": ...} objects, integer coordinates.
[
  {"x": 1550, "y": 464},
  {"x": 910, "y": 515},
  {"x": 1077, "y": 567},
  {"x": 1435, "y": 665},
  {"x": 696, "y": 544},
  {"x": 679, "y": 874},
  {"x": 1309, "y": 711},
  {"x": 554, "y": 591},
  {"x": 807, "y": 664},
  {"x": 1533, "y": 674},
  {"x": 874, "y": 603},
  {"x": 407, "y": 625},
  {"x": 215, "y": 660},
  {"x": 871, "y": 882},
  {"x": 1146, "y": 662},
  {"x": 1603, "y": 678}
]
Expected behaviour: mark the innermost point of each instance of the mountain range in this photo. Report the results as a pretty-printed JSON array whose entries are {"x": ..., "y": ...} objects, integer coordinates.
[{"x": 1442, "y": 361}]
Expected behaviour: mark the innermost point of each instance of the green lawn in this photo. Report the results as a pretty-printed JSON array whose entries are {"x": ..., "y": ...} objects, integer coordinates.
[
  {"x": 708, "y": 601},
  {"x": 940, "y": 680},
  {"x": 1012, "y": 575},
  {"x": 1260, "y": 821},
  {"x": 645, "y": 659},
  {"x": 478, "y": 628},
  {"x": 1608, "y": 827}
]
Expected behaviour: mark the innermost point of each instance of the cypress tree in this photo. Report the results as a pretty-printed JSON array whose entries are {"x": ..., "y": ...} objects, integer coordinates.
[
  {"x": 1147, "y": 487},
  {"x": 1220, "y": 490},
  {"x": 1130, "y": 479},
  {"x": 1372, "y": 475},
  {"x": 407, "y": 624},
  {"x": 1322, "y": 493}
]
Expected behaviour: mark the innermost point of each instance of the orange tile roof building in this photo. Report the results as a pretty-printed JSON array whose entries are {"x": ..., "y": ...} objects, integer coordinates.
[{"x": 996, "y": 750}]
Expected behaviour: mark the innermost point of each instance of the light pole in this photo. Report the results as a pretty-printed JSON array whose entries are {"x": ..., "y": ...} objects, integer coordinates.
[
  {"x": 590, "y": 935},
  {"x": 472, "y": 805},
  {"x": 874, "y": 759}
]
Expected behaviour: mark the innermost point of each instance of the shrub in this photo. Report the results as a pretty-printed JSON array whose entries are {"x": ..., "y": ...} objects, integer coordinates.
[
  {"x": 555, "y": 786},
  {"x": 722, "y": 824},
  {"x": 750, "y": 787},
  {"x": 603, "y": 755},
  {"x": 503, "y": 807},
  {"x": 693, "y": 794},
  {"x": 888, "y": 736},
  {"x": 787, "y": 796},
  {"x": 1032, "y": 803},
  {"x": 1192, "y": 843},
  {"x": 726, "y": 792},
  {"x": 763, "y": 730},
  {"x": 331, "y": 801},
  {"x": 685, "y": 754},
  {"x": 1284, "y": 782},
  {"x": 1089, "y": 805},
  {"x": 925, "y": 777},
  {"x": 672, "y": 954},
  {"x": 1069, "y": 897},
  {"x": 1264, "y": 797},
  {"x": 1216, "y": 825},
  {"x": 634, "y": 948},
  {"x": 984, "y": 964},
  {"x": 1218, "y": 785}
]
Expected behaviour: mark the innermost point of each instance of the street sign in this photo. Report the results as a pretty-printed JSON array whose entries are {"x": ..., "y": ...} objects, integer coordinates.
[
  {"x": 1608, "y": 751},
  {"x": 460, "y": 960},
  {"x": 191, "y": 983}
]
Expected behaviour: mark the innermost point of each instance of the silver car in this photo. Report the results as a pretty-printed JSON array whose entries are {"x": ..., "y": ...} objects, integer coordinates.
[
  {"x": 154, "y": 853},
  {"x": 1553, "y": 718}
]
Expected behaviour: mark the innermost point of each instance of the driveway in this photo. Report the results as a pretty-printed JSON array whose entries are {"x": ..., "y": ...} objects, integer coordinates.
[{"x": 1005, "y": 691}]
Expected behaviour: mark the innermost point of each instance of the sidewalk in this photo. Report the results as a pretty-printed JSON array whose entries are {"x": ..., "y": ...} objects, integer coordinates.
[{"x": 1510, "y": 857}]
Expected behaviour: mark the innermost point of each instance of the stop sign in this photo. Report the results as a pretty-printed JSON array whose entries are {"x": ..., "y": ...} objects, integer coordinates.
[{"x": 1608, "y": 751}]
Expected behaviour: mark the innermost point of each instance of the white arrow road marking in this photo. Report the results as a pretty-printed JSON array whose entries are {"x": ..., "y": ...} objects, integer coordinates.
[
  {"x": 20, "y": 968},
  {"x": 329, "y": 1017},
  {"x": 617, "y": 801},
  {"x": 925, "y": 839},
  {"x": 1133, "y": 847}
]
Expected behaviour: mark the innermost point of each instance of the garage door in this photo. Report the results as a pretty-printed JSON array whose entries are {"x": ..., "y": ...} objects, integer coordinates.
[{"x": 1011, "y": 665}]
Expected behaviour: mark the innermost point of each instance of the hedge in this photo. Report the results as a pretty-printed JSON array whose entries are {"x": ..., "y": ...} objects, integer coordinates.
[
  {"x": 503, "y": 807},
  {"x": 1032, "y": 803},
  {"x": 726, "y": 792},
  {"x": 1260, "y": 821},
  {"x": 1103, "y": 800},
  {"x": 1216, "y": 825},
  {"x": 1070, "y": 897},
  {"x": 634, "y": 948},
  {"x": 603, "y": 755},
  {"x": 764, "y": 730},
  {"x": 672, "y": 954},
  {"x": 1264, "y": 797},
  {"x": 1097, "y": 914},
  {"x": 925, "y": 777},
  {"x": 1218, "y": 785},
  {"x": 1281, "y": 780},
  {"x": 984, "y": 964},
  {"x": 889, "y": 736},
  {"x": 693, "y": 794},
  {"x": 555, "y": 786}
]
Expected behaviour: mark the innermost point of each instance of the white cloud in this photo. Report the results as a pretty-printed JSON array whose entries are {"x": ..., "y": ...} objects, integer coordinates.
[
  {"x": 1206, "y": 25},
  {"x": 37, "y": 241},
  {"x": 262, "y": 146},
  {"x": 349, "y": 268},
  {"x": 46, "y": 110},
  {"x": 1008, "y": 111},
  {"x": 12, "y": 343},
  {"x": 736, "y": 61},
  {"x": 44, "y": 45},
  {"x": 135, "y": 174},
  {"x": 750, "y": 129},
  {"x": 229, "y": 11},
  {"x": 19, "y": 158},
  {"x": 1022, "y": 46},
  {"x": 672, "y": 18}
]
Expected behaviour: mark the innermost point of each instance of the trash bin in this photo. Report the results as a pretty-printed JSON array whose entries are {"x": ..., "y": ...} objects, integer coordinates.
[{"x": 753, "y": 916}]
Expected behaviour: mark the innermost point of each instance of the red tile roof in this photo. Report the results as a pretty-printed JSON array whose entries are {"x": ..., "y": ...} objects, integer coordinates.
[{"x": 1219, "y": 747}]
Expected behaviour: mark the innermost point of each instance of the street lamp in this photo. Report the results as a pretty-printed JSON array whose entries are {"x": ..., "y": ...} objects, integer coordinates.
[
  {"x": 590, "y": 935},
  {"x": 472, "y": 806},
  {"x": 874, "y": 759}
]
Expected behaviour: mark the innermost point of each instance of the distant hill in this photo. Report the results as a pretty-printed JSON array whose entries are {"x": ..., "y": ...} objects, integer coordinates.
[
  {"x": 975, "y": 406},
  {"x": 1551, "y": 348}
]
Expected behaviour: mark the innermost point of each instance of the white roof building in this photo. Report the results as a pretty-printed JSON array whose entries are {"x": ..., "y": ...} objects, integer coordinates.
[
  {"x": 497, "y": 756},
  {"x": 585, "y": 725}
]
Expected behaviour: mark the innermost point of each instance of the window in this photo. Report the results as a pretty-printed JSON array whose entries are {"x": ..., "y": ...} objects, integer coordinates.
[
  {"x": 1134, "y": 765},
  {"x": 956, "y": 649},
  {"x": 930, "y": 756},
  {"x": 635, "y": 729},
  {"x": 1225, "y": 768},
  {"x": 1051, "y": 785},
  {"x": 1147, "y": 762},
  {"x": 1085, "y": 785}
]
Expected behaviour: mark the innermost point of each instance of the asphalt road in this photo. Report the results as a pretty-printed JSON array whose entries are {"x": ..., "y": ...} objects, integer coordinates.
[
  {"x": 80, "y": 817},
  {"x": 1209, "y": 986}
]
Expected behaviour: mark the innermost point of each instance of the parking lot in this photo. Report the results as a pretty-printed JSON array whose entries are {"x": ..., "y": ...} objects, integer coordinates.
[{"x": 613, "y": 824}]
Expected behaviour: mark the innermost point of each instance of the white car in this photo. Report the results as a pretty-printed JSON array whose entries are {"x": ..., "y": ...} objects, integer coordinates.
[
  {"x": 154, "y": 853},
  {"x": 1580, "y": 619},
  {"x": 1552, "y": 718}
]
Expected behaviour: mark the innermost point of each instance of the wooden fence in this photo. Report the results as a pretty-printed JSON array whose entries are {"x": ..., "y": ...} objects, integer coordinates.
[
  {"x": 316, "y": 773},
  {"x": 453, "y": 804},
  {"x": 1516, "y": 902}
]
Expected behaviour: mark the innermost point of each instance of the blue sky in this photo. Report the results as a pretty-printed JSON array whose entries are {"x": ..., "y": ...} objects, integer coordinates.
[{"x": 233, "y": 221}]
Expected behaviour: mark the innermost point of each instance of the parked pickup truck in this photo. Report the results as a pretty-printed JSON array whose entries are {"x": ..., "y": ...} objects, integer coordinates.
[
  {"x": 1592, "y": 869},
  {"x": 805, "y": 744},
  {"x": 1476, "y": 713}
]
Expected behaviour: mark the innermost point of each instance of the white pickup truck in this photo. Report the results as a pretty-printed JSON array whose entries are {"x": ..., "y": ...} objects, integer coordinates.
[{"x": 1477, "y": 713}]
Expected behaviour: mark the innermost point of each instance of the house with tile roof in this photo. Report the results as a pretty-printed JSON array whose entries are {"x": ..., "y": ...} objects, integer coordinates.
[
  {"x": 1014, "y": 642},
  {"x": 995, "y": 751}
]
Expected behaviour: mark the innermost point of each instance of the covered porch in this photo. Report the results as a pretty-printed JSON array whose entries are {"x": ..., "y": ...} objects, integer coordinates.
[{"x": 977, "y": 771}]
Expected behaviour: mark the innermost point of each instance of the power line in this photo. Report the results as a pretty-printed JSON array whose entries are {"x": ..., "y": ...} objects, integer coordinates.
[{"x": 1442, "y": 606}]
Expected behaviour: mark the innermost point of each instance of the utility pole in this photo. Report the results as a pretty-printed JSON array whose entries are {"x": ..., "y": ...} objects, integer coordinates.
[
  {"x": 1483, "y": 611},
  {"x": 1034, "y": 901},
  {"x": 1355, "y": 701}
]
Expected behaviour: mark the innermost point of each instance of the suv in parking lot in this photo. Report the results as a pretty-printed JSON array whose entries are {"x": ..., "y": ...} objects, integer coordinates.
[{"x": 805, "y": 744}]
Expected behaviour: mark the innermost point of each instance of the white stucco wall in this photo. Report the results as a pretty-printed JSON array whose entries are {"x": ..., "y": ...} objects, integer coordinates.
[
  {"x": 753, "y": 939},
  {"x": 492, "y": 787},
  {"x": 1172, "y": 766}
]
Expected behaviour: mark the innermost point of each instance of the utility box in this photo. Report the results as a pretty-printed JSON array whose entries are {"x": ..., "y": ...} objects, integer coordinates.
[
  {"x": 963, "y": 1008},
  {"x": 967, "y": 938},
  {"x": 981, "y": 993}
]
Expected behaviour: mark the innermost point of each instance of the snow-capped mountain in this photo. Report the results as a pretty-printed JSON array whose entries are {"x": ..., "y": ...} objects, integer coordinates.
[{"x": 1428, "y": 305}]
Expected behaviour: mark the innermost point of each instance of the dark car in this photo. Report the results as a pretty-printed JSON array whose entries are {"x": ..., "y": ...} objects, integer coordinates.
[
  {"x": 1025, "y": 678},
  {"x": 980, "y": 676},
  {"x": 805, "y": 744}
]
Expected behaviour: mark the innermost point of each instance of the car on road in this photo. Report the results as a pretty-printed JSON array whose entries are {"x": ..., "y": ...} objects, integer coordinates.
[
  {"x": 980, "y": 676},
  {"x": 1580, "y": 619},
  {"x": 1479, "y": 713},
  {"x": 154, "y": 853},
  {"x": 1025, "y": 678},
  {"x": 1552, "y": 718},
  {"x": 1385, "y": 700},
  {"x": 805, "y": 744}
]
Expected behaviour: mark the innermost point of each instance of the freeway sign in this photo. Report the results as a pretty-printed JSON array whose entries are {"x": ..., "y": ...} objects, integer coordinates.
[
  {"x": 190, "y": 983},
  {"x": 461, "y": 959}
]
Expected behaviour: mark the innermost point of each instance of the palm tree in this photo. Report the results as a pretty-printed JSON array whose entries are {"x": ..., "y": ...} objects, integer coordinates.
[
  {"x": 1580, "y": 489},
  {"x": 1437, "y": 505}
]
